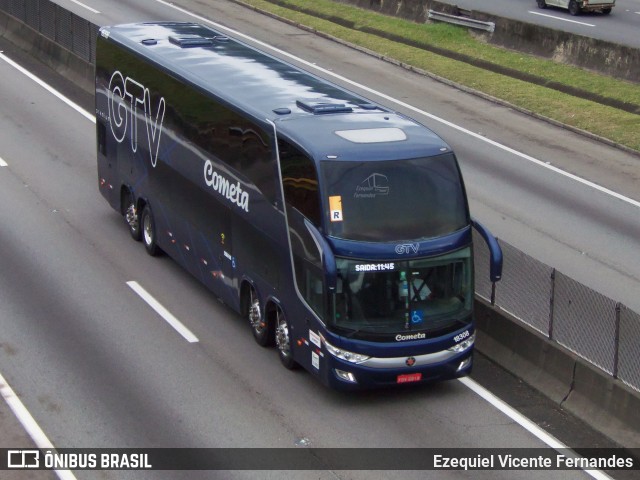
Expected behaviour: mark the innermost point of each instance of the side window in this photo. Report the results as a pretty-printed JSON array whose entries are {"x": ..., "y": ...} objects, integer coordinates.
[
  {"x": 300, "y": 182},
  {"x": 256, "y": 161},
  {"x": 232, "y": 139}
]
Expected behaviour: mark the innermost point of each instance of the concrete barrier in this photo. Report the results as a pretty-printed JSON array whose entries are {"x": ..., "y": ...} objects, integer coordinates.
[
  {"x": 415, "y": 10},
  {"x": 59, "y": 59},
  {"x": 600, "y": 400},
  {"x": 601, "y": 56}
]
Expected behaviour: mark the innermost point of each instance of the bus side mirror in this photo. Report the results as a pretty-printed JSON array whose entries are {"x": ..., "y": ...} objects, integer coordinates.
[
  {"x": 328, "y": 259},
  {"x": 495, "y": 252}
]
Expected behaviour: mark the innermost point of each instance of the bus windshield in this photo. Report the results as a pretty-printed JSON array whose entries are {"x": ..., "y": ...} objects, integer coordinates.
[
  {"x": 430, "y": 295},
  {"x": 386, "y": 201}
]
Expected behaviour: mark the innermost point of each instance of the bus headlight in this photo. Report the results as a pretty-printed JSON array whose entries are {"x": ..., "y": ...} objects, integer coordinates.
[
  {"x": 462, "y": 346},
  {"x": 345, "y": 354}
]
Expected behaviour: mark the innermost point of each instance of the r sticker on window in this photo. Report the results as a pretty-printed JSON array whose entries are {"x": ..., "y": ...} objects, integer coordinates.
[{"x": 335, "y": 207}]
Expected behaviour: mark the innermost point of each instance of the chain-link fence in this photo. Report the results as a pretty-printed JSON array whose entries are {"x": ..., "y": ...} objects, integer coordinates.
[
  {"x": 628, "y": 354},
  {"x": 526, "y": 274},
  {"x": 591, "y": 325},
  {"x": 57, "y": 24},
  {"x": 600, "y": 330}
]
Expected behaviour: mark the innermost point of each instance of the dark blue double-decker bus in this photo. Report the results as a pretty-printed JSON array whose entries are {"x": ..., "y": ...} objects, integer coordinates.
[{"x": 339, "y": 229}]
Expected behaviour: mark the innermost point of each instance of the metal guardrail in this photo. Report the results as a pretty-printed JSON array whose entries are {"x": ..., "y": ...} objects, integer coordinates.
[{"x": 464, "y": 21}]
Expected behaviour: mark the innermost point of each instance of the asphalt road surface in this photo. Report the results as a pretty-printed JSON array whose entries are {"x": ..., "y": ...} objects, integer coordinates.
[{"x": 97, "y": 367}]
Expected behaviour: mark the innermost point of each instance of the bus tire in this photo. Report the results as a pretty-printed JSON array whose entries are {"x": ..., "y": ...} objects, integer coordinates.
[
  {"x": 283, "y": 341},
  {"x": 148, "y": 228},
  {"x": 606, "y": 11},
  {"x": 131, "y": 215},
  {"x": 574, "y": 8},
  {"x": 260, "y": 325},
  {"x": 542, "y": 4}
]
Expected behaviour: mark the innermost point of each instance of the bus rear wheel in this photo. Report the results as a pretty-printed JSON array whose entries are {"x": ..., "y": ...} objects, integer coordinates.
[
  {"x": 148, "y": 227},
  {"x": 283, "y": 341},
  {"x": 259, "y": 324},
  {"x": 542, "y": 4}
]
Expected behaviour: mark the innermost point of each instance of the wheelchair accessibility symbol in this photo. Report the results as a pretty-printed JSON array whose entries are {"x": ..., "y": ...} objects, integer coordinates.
[{"x": 417, "y": 317}]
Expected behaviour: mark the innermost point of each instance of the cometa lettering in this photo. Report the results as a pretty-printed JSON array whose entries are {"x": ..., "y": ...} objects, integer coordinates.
[
  {"x": 413, "y": 336},
  {"x": 222, "y": 185}
]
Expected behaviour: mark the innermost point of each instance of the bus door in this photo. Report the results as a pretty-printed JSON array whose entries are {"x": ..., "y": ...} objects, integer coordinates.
[{"x": 311, "y": 257}]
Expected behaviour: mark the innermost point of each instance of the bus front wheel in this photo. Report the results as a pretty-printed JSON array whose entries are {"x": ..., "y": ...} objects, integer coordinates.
[
  {"x": 149, "y": 232},
  {"x": 283, "y": 341}
]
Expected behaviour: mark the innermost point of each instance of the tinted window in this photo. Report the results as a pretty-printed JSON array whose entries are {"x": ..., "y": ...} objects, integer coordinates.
[
  {"x": 400, "y": 296},
  {"x": 300, "y": 181},
  {"x": 394, "y": 200},
  {"x": 231, "y": 138}
]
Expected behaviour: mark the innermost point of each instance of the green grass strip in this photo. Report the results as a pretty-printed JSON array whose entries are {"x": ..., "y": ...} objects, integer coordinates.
[{"x": 617, "y": 125}]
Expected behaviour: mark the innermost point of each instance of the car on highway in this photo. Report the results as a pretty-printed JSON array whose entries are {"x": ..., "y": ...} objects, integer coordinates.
[{"x": 576, "y": 7}]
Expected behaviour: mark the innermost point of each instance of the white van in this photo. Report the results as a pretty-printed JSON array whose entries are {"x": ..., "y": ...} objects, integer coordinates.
[{"x": 577, "y": 6}]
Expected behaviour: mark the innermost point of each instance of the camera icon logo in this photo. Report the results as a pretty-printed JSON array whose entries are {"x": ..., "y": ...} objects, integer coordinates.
[{"x": 23, "y": 458}]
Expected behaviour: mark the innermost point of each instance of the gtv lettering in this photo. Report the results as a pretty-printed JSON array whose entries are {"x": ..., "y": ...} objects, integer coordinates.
[
  {"x": 126, "y": 98},
  {"x": 404, "y": 248}
]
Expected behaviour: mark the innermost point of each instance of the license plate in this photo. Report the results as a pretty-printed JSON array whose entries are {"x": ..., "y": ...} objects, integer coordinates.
[{"x": 409, "y": 377}]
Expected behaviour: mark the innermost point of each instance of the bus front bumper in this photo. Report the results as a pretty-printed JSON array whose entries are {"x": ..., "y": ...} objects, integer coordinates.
[{"x": 343, "y": 375}]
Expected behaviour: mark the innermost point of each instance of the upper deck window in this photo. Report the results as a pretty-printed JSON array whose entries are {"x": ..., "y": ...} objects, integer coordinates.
[
  {"x": 300, "y": 181},
  {"x": 373, "y": 135},
  {"x": 385, "y": 201}
]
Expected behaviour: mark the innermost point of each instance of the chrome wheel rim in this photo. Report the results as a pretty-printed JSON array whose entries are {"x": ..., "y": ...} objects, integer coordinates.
[
  {"x": 132, "y": 217},
  {"x": 282, "y": 336},
  {"x": 148, "y": 232},
  {"x": 255, "y": 317}
]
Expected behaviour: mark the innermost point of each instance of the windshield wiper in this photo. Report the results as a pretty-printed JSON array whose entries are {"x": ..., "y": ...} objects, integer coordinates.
[{"x": 370, "y": 328}]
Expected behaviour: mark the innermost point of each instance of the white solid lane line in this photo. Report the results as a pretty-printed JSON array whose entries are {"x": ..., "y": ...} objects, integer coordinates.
[
  {"x": 48, "y": 88},
  {"x": 560, "y": 18},
  {"x": 29, "y": 424},
  {"x": 93, "y": 10},
  {"x": 3, "y": 163},
  {"x": 525, "y": 423},
  {"x": 163, "y": 312}
]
